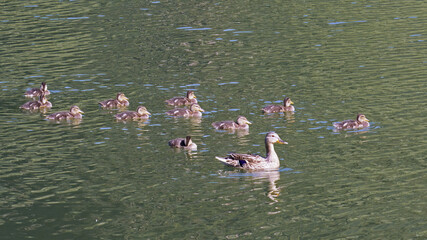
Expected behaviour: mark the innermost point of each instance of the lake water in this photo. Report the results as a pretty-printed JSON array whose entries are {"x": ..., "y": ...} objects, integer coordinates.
[{"x": 102, "y": 179}]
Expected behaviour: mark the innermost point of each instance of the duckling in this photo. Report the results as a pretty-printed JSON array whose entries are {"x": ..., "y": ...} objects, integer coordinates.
[
  {"x": 179, "y": 101},
  {"x": 194, "y": 111},
  {"x": 141, "y": 113},
  {"x": 279, "y": 108},
  {"x": 41, "y": 103},
  {"x": 253, "y": 161},
  {"x": 240, "y": 123},
  {"x": 184, "y": 143},
  {"x": 74, "y": 113},
  {"x": 35, "y": 92},
  {"x": 120, "y": 101},
  {"x": 360, "y": 122}
]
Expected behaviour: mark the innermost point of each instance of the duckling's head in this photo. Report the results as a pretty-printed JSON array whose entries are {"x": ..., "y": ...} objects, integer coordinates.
[
  {"x": 121, "y": 97},
  {"x": 241, "y": 120},
  {"x": 43, "y": 99},
  {"x": 141, "y": 110},
  {"x": 43, "y": 87},
  {"x": 188, "y": 141},
  {"x": 196, "y": 108},
  {"x": 75, "y": 110},
  {"x": 191, "y": 95},
  {"x": 273, "y": 137},
  {"x": 287, "y": 102},
  {"x": 361, "y": 118}
]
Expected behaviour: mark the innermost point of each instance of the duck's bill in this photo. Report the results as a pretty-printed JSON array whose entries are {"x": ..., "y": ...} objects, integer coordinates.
[
  {"x": 281, "y": 142},
  {"x": 247, "y": 122},
  {"x": 147, "y": 112},
  {"x": 292, "y": 102},
  {"x": 201, "y": 110},
  {"x": 80, "y": 111}
]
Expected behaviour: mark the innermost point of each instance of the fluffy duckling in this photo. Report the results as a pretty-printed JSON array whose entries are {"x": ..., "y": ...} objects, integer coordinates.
[
  {"x": 194, "y": 111},
  {"x": 41, "y": 103},
  {"x": 74, "y": 113},
  {"x": 360, "y": 122},
  {"x": 179, "y": 101},
  {"x": 256, "y": 162},
  {"x": 120, "y": 101},
  {"x": 184, "y": 143},
  {"x": 35, "y": 92},
  {"x": 287, "y": 107},
  {"x": 140, "y": 114},
  {"x": 240, "y": 123}
]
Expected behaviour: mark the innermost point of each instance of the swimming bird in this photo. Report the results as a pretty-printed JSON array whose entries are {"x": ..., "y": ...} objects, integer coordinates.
[
  {"x": 240, "y": 123},
  {"x": 33, "y": 105},
  {"x": 194, "y": 111},
  {"x": 189, "y": 99},
  {"x": 140, "y": 114},
  {"x": 74, "y": 113},
  {"x": 360, "y": 122},
  {"x": 120, "y": 101},
  {"x": 286, "y": 107},
  {"x": 184, "y": 143},
  {"x": 253, "y": 161},
  {"x": 35, "y": 92}
]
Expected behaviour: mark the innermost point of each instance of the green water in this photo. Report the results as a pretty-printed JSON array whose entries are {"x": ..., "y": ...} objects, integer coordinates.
[{"x": 102, "y": 179}]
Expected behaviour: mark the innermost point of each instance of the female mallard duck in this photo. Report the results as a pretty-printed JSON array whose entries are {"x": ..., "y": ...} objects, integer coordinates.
[
  {"x": 35, "y": 92},
  {"x": 120, "y": 101},
  {"x": 74, "y": 113},
  {"x": 141, "y": 113},
  {"x": 194, "y": 111},
  {"x": 360, "y": 122},
  {"x": 240, "y": 123},
  {"x": 179, "y": 101},
  {"x": 184, "y": 143},
  {"x": 287, "y": 107},
  {"x": 256, "y": 162},
  {"x": 41, "y": 103}
]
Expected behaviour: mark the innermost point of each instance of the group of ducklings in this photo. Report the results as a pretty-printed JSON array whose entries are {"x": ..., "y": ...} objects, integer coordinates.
[{"x": 243, "y": 161}]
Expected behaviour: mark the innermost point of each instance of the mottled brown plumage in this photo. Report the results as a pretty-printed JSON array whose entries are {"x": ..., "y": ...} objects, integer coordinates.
[
  {"x": 120, "y": 101},
  {"x": 74, "y": 113},
  {"x": 140, "y": 114},
  {"x": 35, "y": 92},
  {"x": 184, "y": 143},
  {"x": 360, "y": 122},
  {"x": 240, "y": 123},
  {"x": 194, "y": 111},
  {"x": 179, "y": 101},
  {"x": 34, "y": 105},
  {"x": 286, "y": 107}
]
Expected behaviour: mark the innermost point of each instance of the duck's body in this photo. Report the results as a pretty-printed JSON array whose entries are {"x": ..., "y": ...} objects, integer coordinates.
[
  {"x": 34, "y": 105},
  {"x": 140, "y": 114},
  {"x": 194, "y": 111},
  {"x": 184, "y": 143},
  {"x": 180, "y": 101},
  {"x": 120, "y": 101},
  {"x": 74, "y": 113},
  {"x": 256, "y": 162},
  {"x": 240, "y": 123},
  {"x": 36, "y": 92},
  {"x": 286, "y": 107},
  {"x": 360, "y": 122}
]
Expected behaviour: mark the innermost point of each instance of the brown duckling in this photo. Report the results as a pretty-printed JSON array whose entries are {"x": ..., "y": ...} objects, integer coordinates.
[
  {"x": 194, "y": 111},
  {"x": 286, "y": 107},
  {"x": 35, "y": 92},
  {"x": 179, "y": 101},
  {"x": 74, "y": 113},
  {"x": 41, "y": 103},
  {"x": 120, "y": 101},
  {"x": 184, "y": 143},
  {"x": 240, "y": 123},
  {"x": 256, "y": 162},
  {"x": 360, "y": 122},
  {"x": 140, "y": 114}
]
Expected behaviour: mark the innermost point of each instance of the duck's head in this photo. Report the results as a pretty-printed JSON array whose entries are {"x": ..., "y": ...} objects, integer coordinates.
[
  {"x": 241, "y": 120},
  {"x": 273, "y": 137},
  {"x": 191, "y": 95},
  {"x": 287, "y": 102},
  {"x": 121, "y": 97},
  {"x": 196, "y": 108},
  {"x": 43, "y": 87},
  {"x": 43, "y": 99},
  {"x": 141, "y": 110},
  {"x": 75, "y": 110},
  {"x": 188, "y": 141},
  {"x": 361, "y": 118}
]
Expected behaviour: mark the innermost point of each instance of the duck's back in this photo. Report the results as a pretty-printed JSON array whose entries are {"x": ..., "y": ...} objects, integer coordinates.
[
  {"x": 179, "y": 112},
  {"x": 273, "y": 109},
  {"x": 225, "y": 125}
]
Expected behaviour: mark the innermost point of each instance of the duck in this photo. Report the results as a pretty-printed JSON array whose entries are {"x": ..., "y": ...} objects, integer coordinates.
[
  {"x": 194, "y": 111},
  {"x": 41, "y": 103},
  {"x": 74, "y": 113},
  {"x": 184, "y": 143},
  {"x": 140, "y": 114},
  {"x": 360, "y": 122},
  {"x": 240, "y": 123},
  {"x": 120, "y": 101},
  {"x": 286, "y": 107},
  {"x": 189, "y": 99},
  {"x": 35, "y": 92},
  {"x": 253, "y": 161}
]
